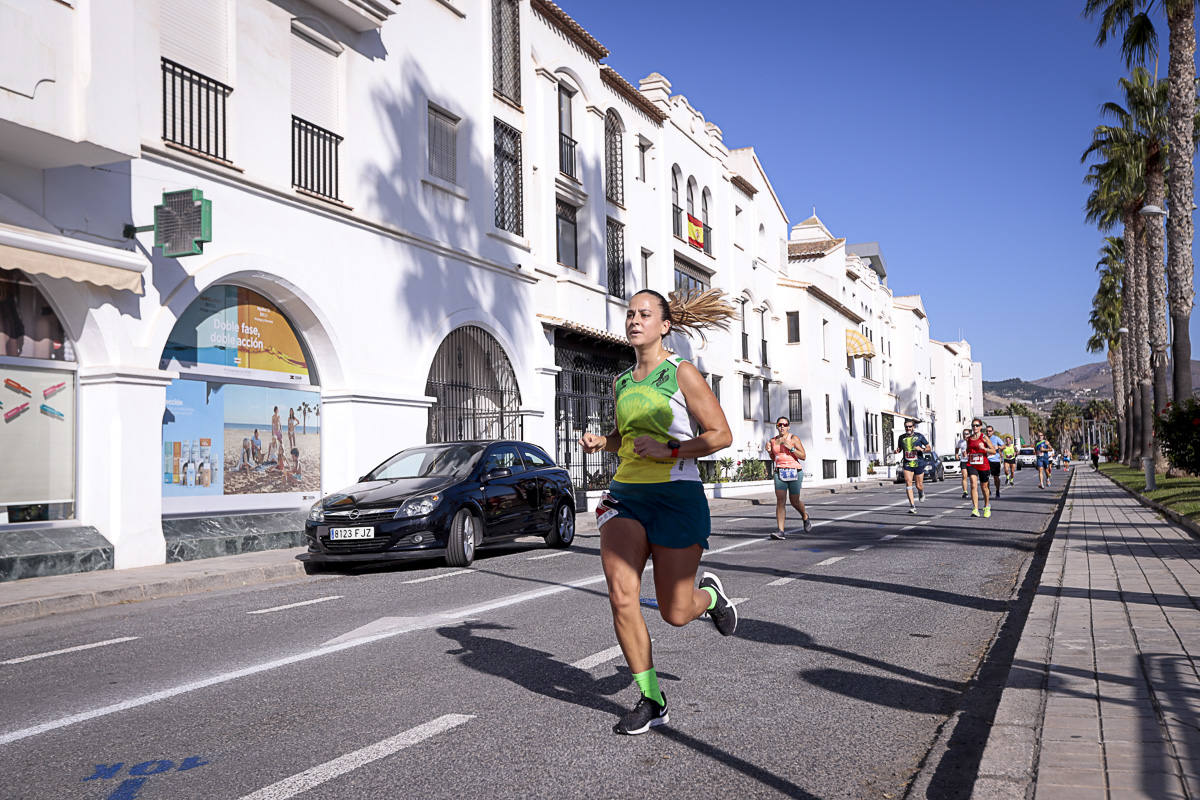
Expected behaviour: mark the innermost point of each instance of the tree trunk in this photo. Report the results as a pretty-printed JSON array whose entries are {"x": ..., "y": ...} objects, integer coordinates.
[
  {"x": 1118, "y": 377},
  {"x": 1156, "y": 305},
  {"x": 1139, "y": 331},
  {"x": 1181, "y": 110}
]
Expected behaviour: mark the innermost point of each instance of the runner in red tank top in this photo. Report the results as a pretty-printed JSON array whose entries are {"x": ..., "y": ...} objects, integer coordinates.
[{"x": 979, "y": 447}]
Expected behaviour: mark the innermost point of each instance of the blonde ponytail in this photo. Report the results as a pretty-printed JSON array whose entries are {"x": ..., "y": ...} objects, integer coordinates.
[{"x": 692, "y": 312}]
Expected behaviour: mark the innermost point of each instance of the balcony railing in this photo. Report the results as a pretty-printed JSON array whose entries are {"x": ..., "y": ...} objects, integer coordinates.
[
  {"x": 193, "y": 110},
  {"x": 677, "y": 221},
  {"x": 315, "y": 159},
  {"x": 566, "y": 155},
  {"x": 745, "y": 346},
  {"x": 707, "y": 240}
]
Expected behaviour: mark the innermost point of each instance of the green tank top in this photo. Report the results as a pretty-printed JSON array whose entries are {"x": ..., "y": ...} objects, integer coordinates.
[
  {"x": 653, "y": 406},
  {"x": 1010, "y": 451}
]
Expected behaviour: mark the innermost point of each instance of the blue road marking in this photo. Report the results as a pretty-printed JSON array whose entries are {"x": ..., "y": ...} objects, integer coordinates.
[{"x": 649, "y": 602}]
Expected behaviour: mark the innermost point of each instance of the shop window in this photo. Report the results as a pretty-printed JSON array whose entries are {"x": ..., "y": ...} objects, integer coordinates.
[
  {"x": 244, "y": 418},
  {"x": 828, "y": 469},
  {"x": 37, "y": 407}
]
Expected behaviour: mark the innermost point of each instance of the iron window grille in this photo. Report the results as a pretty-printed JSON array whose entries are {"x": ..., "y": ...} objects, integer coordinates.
[
  {"x": 614, "y": 159},
  {"x": 567, "y": 239},
  {"x": 584, "y": 403},
  {"x": 510, "y": 215},
  {"x": 688, "y": 279},
  {"x": 566, "y": 155},
  {"x": 476, "y": 390},
  {"x": 193, "y": 110},
  {"x": 315, "y": 159},
  {"x": 828, "y": 469},
  {"x": 796, "y": 405},
  {"x": 443, "y": 145},
  {"x": 616, "y": 258},
  {"x": 506, "y": 49}
]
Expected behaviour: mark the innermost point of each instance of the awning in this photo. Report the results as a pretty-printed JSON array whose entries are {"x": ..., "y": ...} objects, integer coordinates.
[
  {"x": 858, "y": 346},
  {"x": 57, "y": 256}
]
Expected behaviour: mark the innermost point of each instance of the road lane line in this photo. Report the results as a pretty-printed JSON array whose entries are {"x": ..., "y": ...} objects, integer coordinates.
[
  {"x": 323, "y": 773},
  {"x": 36, "y": 656},
  {"x": 861, "y": 548},
  {"x": 439, "y": 577},
  {"x": 781, "y": 581},
  {"x": 550, "y": 555},
  {"x": 296, "y": 605},
  {"x": 596, "y": 659},
  {"x": 889, "y": 537},
  {"x": 829, "y": 561}
]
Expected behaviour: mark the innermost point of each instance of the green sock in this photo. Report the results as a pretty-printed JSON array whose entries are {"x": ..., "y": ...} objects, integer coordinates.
[
  {"x": 711, "y": 593},
  {"x": 648, "y": 682}
]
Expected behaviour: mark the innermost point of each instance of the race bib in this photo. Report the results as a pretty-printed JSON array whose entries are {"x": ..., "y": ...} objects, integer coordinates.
[
  {"x": 911, "y": 455},
  {"x": 976, "y": 459},
  {"x": 787, "y": 474},
  {"x": 605, "y": 510}
]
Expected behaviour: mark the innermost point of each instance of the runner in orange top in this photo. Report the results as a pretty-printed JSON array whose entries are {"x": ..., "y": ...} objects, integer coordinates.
[{"x": 787, "y": 451}]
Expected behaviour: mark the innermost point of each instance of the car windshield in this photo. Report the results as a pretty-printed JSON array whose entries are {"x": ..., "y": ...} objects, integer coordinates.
[
  {"x": 428, "y": 462},
  {"x": 948, "y": 459},
  {"x": 1027, "y": 451}
]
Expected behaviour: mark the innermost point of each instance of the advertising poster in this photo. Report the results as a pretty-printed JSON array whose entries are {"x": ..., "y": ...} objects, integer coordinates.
[
  {"x": 191, "y": 424},
  {"x": 37, "y": 436},
  {"x": 238, "y": 332},
  {"x": 231, "y": 439}
]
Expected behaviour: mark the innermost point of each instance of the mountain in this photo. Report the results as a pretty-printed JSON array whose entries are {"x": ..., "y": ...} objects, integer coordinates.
[
  {"x": 1075, "y": 385},
  {"x": 1020, "y": 389},
  {"x": 1094, "y": 377}
]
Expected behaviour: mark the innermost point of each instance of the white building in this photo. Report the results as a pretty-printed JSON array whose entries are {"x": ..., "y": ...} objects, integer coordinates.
[
  {"x": 426, "y": 218},
  {"x": 953, "y": 399}
]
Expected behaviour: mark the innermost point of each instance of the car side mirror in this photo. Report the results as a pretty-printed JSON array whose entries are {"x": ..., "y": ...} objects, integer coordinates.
[
  {"x": 364, "y": 479},
  {"x": 502, "y": 472}
]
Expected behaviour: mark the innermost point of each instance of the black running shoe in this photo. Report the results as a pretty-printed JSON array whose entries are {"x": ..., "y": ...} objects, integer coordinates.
[
  {"x": 778, "y": 535},
  {"x": 921, "y": 494},
  {"x": 644, "y": 716},
  {"x": 723, "y": 614},
  {"x": 964, "y": 494}
]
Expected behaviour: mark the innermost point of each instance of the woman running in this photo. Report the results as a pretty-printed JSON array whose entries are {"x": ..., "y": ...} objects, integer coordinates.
[
  {"x": 961, "y": 447},
  {"x": 787, "y": 451},
  {"x": 655, "y": 504},
  {"x": 979, "y": 447},
  {"x": 1010, "y": 459}
]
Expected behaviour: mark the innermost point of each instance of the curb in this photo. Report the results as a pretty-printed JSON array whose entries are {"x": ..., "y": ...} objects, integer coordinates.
[{"x": 1188, "y": 525}]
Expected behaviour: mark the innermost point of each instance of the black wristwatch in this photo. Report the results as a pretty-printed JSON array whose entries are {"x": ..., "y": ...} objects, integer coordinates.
[{"x": 674, "y": 445}]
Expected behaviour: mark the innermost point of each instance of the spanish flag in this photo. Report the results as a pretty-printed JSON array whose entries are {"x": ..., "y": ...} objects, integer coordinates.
[{"x": 695, "y": 232}]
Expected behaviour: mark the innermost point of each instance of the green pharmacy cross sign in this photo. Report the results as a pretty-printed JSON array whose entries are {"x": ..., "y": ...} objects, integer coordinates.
[{"x": 182, "y": 223}]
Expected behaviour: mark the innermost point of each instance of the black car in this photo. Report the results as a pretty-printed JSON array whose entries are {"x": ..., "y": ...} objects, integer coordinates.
[
  {"x": 443, "y": 500},
  {"x": 934, "y": 471}
]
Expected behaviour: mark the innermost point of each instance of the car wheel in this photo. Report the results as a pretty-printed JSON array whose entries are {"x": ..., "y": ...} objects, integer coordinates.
[
  {"x": 562, "y": 527},
  {"x": 460, "y": 544},
  {"x": 311, "y": 568}
]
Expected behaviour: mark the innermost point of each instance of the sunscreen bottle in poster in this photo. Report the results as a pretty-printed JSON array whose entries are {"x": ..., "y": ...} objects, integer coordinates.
[{"x": 191, "y": 467}]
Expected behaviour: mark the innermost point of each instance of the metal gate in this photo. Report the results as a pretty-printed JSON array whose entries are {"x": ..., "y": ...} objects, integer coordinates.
[
  {"x": 584, "y": 404},
  {"x": 476, "y": 390}
]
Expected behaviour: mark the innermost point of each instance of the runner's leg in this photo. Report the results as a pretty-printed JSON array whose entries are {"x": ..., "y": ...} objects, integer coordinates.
[
  {"x": 623, "y": 553},
  {"x": 798, "y": 504},
  {"x": 973, "y": 480},
  {"x": 679, "y": 601},
  {"x": 908, "y": 487},
  {"x": 780, "y": 508}
]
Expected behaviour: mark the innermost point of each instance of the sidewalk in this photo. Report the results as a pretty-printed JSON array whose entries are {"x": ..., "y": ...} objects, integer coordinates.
[
  {"x": 1103, "y": 697},
  {"x": 39, "y": 597}
]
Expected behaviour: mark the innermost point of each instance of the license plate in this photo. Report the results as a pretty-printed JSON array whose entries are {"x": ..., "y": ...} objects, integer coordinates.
[{"x": 336, "y": 534}]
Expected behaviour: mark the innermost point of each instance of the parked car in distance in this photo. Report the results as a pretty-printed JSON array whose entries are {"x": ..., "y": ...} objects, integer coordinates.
[
  {"x": 951, "y": 465},
  {"x": 934, "y": 468},
  {"x": 1026, "y": 457},
  {"x": 442, "y": 500}
]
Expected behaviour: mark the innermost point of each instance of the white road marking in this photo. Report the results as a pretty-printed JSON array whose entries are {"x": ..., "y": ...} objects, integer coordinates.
[
  {"x": 323, "y": 773},
  {"x": 781, "y": 581},
  {"x": 861, "y": 548},
  {"x": 36, "y": 656},
  {"x": 296, "y": 605},
  {"x": 596, "y": 659},
  {"x": 908, "y": 527},
  {"x": 439, "y": 577},
  {"x": 550, "y": 555},
  {"x": 889, "y": 537},
  {"x": 925, "y": 522},
  {"x": 731, "y": 521},
  {"x": 829, "y": 561}
]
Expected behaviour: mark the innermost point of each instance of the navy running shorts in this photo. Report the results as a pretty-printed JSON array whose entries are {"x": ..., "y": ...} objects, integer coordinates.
[{"x": 674, "y": 513}]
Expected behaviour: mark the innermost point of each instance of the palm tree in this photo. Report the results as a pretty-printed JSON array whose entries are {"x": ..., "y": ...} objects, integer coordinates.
[
  {"x": 305, "y": 409},
  {"x": 1139, "y": 41},
  {"x": 1105, "y": 320}
]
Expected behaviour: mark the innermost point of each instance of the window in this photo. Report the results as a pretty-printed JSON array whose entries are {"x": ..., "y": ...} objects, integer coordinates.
[
  {"x": 506, "y": 49},
  {"x": 568, "y": 254},
  {"x": 828, "y": 418},
  {"x": 825, "y": 339},
  {"x": 793, "y": 327},
  {"x": 747, "y": 411},
  {"x": 443, "y": 144},
  {"x": 745, "y": 336},
  {"x": 704, "y": 198},
  {"x": 676, "y": 211},
  {"x": 762, "y": 325},
  {"x": 850, "y": 417},
  {"x": 853, "y": 468},
  {"x": 867, "y": 369},
  {"x": 614, "y": 159},
  {"x": 766, "y": 400},
  {"x": 194, "y": 39},
  {"x": 828, "y": 469},
  {"x": 566, "y": 144},
  {"x": 850, "y": 365},
  {"x": 689, "y": 279},
  {"x": 871, "y": 426},
  {"x": 615, "y": 238},
  {"x": 691, "y": 197},
  {"x": 503, "y": 458},
  {"x": 642, "y": 148},
  {"x": 535, "y": 458},
  {"x": 510, "y": 215},
  {"x": 314, "y": 115},
  {"x": 796, "y": 405},
  {"x": 716, "y": 387}
]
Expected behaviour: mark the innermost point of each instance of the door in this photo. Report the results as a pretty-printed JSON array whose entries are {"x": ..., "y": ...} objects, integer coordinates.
[
  {"x": 504, "y": 497},
  {"x": 538, "y": 465}
]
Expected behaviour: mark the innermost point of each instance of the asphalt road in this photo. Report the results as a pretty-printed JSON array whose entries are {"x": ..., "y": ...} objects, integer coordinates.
[{"x": 856, "y": 643}]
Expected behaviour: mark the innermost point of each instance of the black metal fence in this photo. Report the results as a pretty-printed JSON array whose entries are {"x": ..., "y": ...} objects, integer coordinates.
[
  {"x": 584, "y": 404},
  {"x": 315, "y": 158},
  {"x": 510, "y": 208},
  {"x": 476, "y": 389},
  {"x": 566, "y": 155},
  {"x": 616, "y": 258},
  {"x": 193, "y": 110}
]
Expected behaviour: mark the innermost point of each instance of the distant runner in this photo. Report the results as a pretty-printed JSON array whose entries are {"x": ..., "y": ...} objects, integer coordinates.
[
  {"x": 787, "y": 451},
  {"x": 994, "y": 457},
  {"x": 961, "y": 448},
  {"x": 1010, "y": 459},
  {"x": 979, "y": 447},
  {"x": 913, "y": 445},
  {"x": 1095, "y": 457},
  {"x": 1043, "y": 449}
]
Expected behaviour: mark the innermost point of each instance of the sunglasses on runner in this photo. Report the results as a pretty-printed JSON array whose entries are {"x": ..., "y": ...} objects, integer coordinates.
[
  {"x": 976, "y": 425},
  {"x": 781, "y": 424}
]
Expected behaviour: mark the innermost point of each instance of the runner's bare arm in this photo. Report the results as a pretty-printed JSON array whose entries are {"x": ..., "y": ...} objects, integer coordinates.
[
  {"x": 703, "y": 405},
  {"x": 609, "y": 442},
  {"x": 797, "y": 447}
]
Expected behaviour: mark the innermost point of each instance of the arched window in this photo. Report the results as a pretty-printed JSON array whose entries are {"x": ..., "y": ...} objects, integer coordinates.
[
  {"x": 676, "y": 211},
  {"x": 244, "y": 417},
  {"x": 704, "y": 206},
  {"x": 614, "y": 162},
  {"x": 691, "y": 197},
  {"x": 476, "y": 389},
  {"x": 37, "y": 406}
]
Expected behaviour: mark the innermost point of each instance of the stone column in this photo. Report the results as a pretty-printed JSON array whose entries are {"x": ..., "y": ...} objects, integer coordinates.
[{"x": 360, "y": 430}]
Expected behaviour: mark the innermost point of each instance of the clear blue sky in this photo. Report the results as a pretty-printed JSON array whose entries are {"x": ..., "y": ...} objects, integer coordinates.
[{"x": 949, "y": 131}]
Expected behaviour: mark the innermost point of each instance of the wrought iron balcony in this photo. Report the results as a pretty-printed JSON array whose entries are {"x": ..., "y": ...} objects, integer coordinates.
[
  {"x": 315, "y": 159},
  {"x": 566, "y": 155},
  {"x": 193, "y": 110}
]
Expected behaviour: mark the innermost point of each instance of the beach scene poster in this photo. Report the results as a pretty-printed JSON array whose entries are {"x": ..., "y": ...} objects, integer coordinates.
[
  {"x": 192, "y": 438},
  {"x": 272, "y": 440},
  {"x": 236, "y": 331}
]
